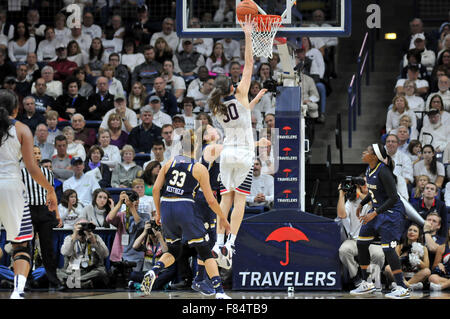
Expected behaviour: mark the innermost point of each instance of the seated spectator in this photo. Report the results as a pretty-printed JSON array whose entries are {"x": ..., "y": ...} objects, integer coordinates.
[
  {"x": 168, "y": 100},
  {"x": 61, "y": 161},
  {"x": 416, "y": 30},
  {"x": 23, "y": 86},
  {"x": 443, "y": 91},
  {"x": 51, "y": 119},
  {"x": 163, "y": 51},
  {"x": 442, "y": 61},
  {"x": 187, "y": 62},
  {"x": 6, "y": 67},
  {"x": 416, "y": 194},
  {"x": 167, "y": 34},
  {"x": 75, "y": 54},
  {"x": 142, "y": 137},
  {"x": 178, "y": 124},
  {"x": 436, "y": 133},
  {"x": 444, "y": 38},
  {"x": 89, "y": 27},
  {"x": 83, "y": 135},
  {"x": 170, "y": 139},
  {"x": 174, "y": 84},
  {"x": 121, "y": 71},
  {"x": 262, "y": 190},
  {"x": 406, "y": 131},
  {"x": 197, "y": 83},
  {"x": 33, "y": 68},
  {"x": 428, "y": 57},
  {"x": 97, "y": 58},
  {"x": 436, "y": 103},
  {"x": 89, "y": 248},
  {"x": 265, "y": 104},
  {"x": 43, "y": 101},
  {"x": 217, "y": 63},
  {"x": 101, "y": 205},
  {"x": 61, "y": 31},
  {"x": 137, "y": 97},
  {"x": 430, "y": 166},
  {"x": 203, "y": 46},
  {"x": 119, "y": 29},
  {"x": 130, "y": 57},
  {"x": 29, "y": 116},
  {"x": 41, "y": 140},
  {"x": 70, "y": 208},
  {"x": 441, "y": 268},
  {"x": 71, "y": 102},
  {"x": 54, "y": 87},
  {"x": 100, "y": 101},
  {"x": 422, "y": 86},
  {"x": 118, "y": 137},
  {"x": 446, "y": 158},
  {"x": 73, "y": 149},
  {"x": 310, "y": 97},
  {"x": 159, "y": 117},
  {"x": 433, "y": 239},
  {"x": 149, "y": 176},
  {"x": 93, "y": 164},
  {"x": 127, "y": 170},
  {"x": 231, "y": 48},
  {"x": 115, "y": 86},
  {"x": 399, "y": 108},
  {"x": 415, "y": 102},
  {"x": 129, "y": 224},
  {"x": 46, "y": 50},
  {"x": 21, "y": 43},
  {"x": 148, "y": 71},
  {"x": 414, "y": 151},
  {"x": 128, "y": 117},
  {"x": 413, "y": 258},
  {"x": 157, "y": 153},
  {"x": 63, "y": 67},
  {"x": 203, "y": 118},
  {"x": 83, "y": 40},
  {"x": 146, "y": 203},
  {"x": 111, "y": 153},
  {"x": 188, "y": 105},
  {"x": 83, "y": 184},
  {"x": 235, "y": 72},
  {"x": 202, "y": 95}
]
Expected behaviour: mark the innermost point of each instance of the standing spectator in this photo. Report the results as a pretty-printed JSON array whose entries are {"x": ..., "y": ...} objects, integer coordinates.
[
  {"x": 430, "y": 166},
  {"x": 128, "y": 117},
  {"x": 127, "y": 170},
  {"x": 47, "y": 47},
  {"x": 101, "y": 205},
  {"x": 46, "y": 147},
  {"x": 54, "y": 87},
  {"x": 187, "y": 62},
  {"x": 43, "y": 101},
  {"x": 168, "y": 100},
  {"x": 70, "y": 209},
  {"x": 83, "y": 184},
  {"x": 95, "y": 167},
  {"x": 101, "y": 101},
  {"x": 147, "y": 72},
  {"x": 63, "y": 67},
  {"x": 21, "y": 43},
  {"x": 142, "y": 137},
  {"x": 29, "y": 116},
  {"x": 111, "y": 153},
  {"x": 262, "y": 189},
  {"x": 71, "y": 102},
  {"x": 167, "y": 33}
]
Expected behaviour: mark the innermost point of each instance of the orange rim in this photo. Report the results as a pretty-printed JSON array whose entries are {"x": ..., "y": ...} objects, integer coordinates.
[{"x": 264, "y": 21}]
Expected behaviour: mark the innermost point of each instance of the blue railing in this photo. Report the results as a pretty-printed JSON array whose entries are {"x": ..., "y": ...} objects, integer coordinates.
[{"x": 365, "y": 58}]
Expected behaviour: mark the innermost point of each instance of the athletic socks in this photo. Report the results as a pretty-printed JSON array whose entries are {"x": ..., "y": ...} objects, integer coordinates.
[
  {"x": 217, "y": 284},
  {"x": 200, "y": 273},
  {"x": 231, "y": 239},
  {"x": 220, "y": 240},
  {"x": 19, "y": 283},
  {"x": 158, "y": 267}
]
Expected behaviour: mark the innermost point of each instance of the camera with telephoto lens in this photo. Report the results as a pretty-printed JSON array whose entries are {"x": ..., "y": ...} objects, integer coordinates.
[
  {"x": 132, "y": 196},
  {"x": 86, "y": 227},
  {"x": 154, "y": 225},
  {"x": 270, "y": 85},
  {"x": 349, "y": 185}
]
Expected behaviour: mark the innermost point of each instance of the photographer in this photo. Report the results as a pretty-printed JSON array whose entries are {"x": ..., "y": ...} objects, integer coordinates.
[
  {"x": 129, "y": 224},
  {"x": 84, "y": 253},
  {"x": 351, "y": 192}
]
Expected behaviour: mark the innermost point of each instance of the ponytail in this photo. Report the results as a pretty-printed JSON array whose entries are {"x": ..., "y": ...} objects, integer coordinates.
[
  {"x": 5, "y": 124},
  {"x": 8, "y": 103},
  {"x": 222, "y": 86}
]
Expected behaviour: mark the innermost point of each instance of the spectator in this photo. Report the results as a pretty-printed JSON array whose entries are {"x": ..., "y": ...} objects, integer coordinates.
[
  {"x": 93, "y": 164},
  {"x": 262, "y": 190},
  {"x": 101, "y": 101},
  {"x": 70, "y": 209},
  {"x": 188, "y": 105},
  {"x": 23, "y": 86},
  {"x": 443, "y": 60},
  {"x": 235, "y": 72},
  {"x": 217, "y": 63},
  {"x": 41, "y": 140},
  {"x": 437, "y": 132},
  {"x": 269, "y": 120},
  {"x": 399, "y": 108},
  {"x": 83, "y": 184},
  {"x": 310, "y": 97},
  {"x": 433, "y": 239},
  {"x": 174, "y": 84},
  {"x": 121, "y": 71},
  {"x": 201, "y": 96},
  {"x": 83, "y": 135},
  {"x": 157, "y": 153},
  {"x": 443, "y": 91},
  {"x": 167, "y": 33},
  {"x": 73, "y": 149},
  {"x": 6, "y": 67},
  {"x": 428, "y": 57},
  {"x": 116, "y": 24},
  {"x": 118, "y": 137},
  {"x": 416, "y": 30},
  {"x": 178, "y": 123},
  {"x": 86, "y": 89},
  {"x": 43, "y": 101},
  {"x": 83, "y": 40},
  {"x": 75, "y": 54},
  {"x": 89, "y": 27},
  {"x": 101, "y": 205},
  {"x": 149, "y": 176},
  {"x": 148, "y": 71},
  {"x": 436, "y": 103},
  {"x": 97, "y": 58},
  {"x": 265, "y": 104},
  {"x": 413, "y": 258},
  {"x": 168, "y": 100},
  {"x": 171, "y": 141},
  {"x": 163, "y": 51},
  {"x": 63, "y": 67},
  {"x": 137, "y": 97},
  {"x": 430, "y": 166},
  {"x": 111, "y": 153},
  {"x": 54, "y": 87},
  {"x": 159, "y": 117},
  {"x": 142, "y": 137},
  {"x": 51, "y": 119},
  {"x": 446, "y": 158},
  {"x": 127, "y": 116},
  {"x": 21, "y": 43},
  {"x": 61, "y": 31},
  {"x": 146, "y": 204},
  {"x": 422, "y": 86},
  {"x": 33, "y": 69},
  {"x": 417, "y": 192},
  {"x": 348, "y": 203},
  {"x": 231, "y": 48},
  {"x": 29, "y": 116},
  {"x": 204, "y": 46},
  {"x": 187, "y": 62},
  {"x": 197, "y": 83},
  {"x": 127, "y": 170},
  {"x": 85, "y": 246},
  {"x": 115, "y": 86},
  {"x": 414, "y": 151},
  {"x": 71, "y": 102},
  {"x": 130, "y": 57},
  {"x": 47, "y": 47},
  {"x": 415, "y": 102},
  {"x": 439, "y": 279},
  {"x": 406, "y": 132}
]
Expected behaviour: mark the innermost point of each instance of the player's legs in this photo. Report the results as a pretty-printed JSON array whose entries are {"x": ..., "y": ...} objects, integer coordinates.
[
  {"x": 225, "y": 205},
  {"x": 21, "y": 266}
]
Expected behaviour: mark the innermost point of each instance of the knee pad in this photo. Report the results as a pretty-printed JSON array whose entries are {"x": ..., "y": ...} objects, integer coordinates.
[
  {"x": 174, "y": 249},
  {"x": 18, "y": 253},
  {"x": 204, "y": 252}
]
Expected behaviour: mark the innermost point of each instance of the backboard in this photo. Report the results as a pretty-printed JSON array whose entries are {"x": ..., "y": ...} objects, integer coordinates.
[{"x": 217, "y": 18}]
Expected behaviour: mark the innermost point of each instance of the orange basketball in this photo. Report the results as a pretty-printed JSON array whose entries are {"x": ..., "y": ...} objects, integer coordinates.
[{"x": 246, "y": 7}]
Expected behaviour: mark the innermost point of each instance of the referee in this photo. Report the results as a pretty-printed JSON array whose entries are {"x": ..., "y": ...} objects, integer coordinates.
[{"x": 43, "y": 220}]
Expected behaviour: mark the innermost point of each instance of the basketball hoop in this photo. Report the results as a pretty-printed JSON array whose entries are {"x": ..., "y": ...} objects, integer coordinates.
[{"x": 263, "y": 34}]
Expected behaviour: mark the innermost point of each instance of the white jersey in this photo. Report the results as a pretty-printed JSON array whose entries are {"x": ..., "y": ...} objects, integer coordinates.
[
  {"x": 237, "y": 125},
  {"x": 10, "y": 156}
]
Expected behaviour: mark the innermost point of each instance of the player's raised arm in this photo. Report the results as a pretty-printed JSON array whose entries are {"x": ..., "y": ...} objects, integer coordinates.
[{"x": 244, "y": 84}]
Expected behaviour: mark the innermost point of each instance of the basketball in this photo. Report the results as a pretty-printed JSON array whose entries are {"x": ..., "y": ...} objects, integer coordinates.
[{"x": 246, "y": 7}]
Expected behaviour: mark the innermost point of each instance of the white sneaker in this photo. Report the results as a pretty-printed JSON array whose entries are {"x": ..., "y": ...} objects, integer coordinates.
[
  {"x": 148, "y": 281},
  {"x": 17, "y": 295},
  {"x": 222, "y": 295},
  {"x": 227, "y": 251},
  {"x": 435, "y": 287},
  {"x": 399, "y": 293},
  {"x": 364, "y": 288},
  {"x": 416, "y": 286}
]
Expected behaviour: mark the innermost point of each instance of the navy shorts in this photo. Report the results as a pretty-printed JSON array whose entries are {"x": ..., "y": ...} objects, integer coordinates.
[
  {"x": 208, "y": 217},
  {"x": 180, "y": 223}
]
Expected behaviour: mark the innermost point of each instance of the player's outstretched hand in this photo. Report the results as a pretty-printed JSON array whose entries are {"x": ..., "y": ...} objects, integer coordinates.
[{"x": 248, "y": 24}]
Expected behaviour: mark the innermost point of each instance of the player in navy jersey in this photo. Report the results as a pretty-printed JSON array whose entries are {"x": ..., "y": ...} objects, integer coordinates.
[
  {"x": 175, "y": 206},
  {"x": 385, "y": 220}
]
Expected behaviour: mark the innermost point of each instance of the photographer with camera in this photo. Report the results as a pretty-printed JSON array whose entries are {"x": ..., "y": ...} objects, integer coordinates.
[
  {"x": 84, "y": 254},
  {"x": 351, "y": 192}
]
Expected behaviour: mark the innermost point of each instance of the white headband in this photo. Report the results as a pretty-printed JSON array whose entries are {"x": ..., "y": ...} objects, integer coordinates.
[{"x": 377, "y": 151}]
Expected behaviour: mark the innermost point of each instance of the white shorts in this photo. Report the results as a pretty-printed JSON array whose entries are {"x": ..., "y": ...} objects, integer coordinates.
[
  {"x": 14, "y": 211},
  {"x": 236, "y": 170}
]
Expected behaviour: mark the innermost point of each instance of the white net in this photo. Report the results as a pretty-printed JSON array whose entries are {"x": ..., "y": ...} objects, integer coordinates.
[{"x": 263, "y": 34}]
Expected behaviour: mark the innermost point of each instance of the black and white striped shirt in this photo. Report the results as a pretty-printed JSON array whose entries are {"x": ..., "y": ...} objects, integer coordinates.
[{"x": 37, "y": 195}]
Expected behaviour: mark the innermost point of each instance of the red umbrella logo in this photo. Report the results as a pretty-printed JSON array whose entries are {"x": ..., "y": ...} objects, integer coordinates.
[
  {"x": 287, "y": 171},
  {"x": 286, "y": 129},
  {"x": 287, "y": 192},
  {"x": 287, "y": 234},
  {"x": 287, "y": 150}
]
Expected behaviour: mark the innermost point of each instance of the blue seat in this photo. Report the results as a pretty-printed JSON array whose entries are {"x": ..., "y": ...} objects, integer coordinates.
[{"x": 140, "y": 159}]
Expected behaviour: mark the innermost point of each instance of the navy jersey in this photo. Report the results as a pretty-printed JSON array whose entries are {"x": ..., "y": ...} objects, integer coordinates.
[
  {"x": 179, "y": 179},
  {"x": 214, "y": 170}
]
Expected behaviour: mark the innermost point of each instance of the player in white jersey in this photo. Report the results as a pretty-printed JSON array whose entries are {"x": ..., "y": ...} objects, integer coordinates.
[
  {"x": 232, "y": 110},
  {"x": 16, "y": 143}
]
